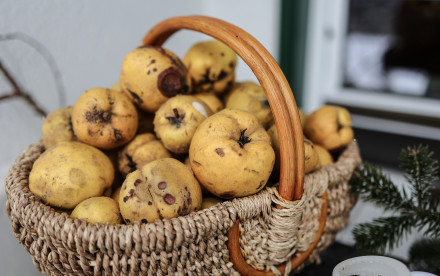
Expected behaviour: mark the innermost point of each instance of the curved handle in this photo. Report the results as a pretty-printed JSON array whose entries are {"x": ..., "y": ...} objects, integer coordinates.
[
  {"x": 282, "y": 104},
  {"x": 272, "y": 80}
]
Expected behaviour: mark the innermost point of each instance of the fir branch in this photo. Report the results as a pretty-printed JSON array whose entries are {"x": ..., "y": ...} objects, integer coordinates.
[
  {"x": 424, "y": 255},
  {"x": 420, "y": 171},
  {"x": 376, "y": 187},
  {"x": 418, "y": 210},
  {"x": 382, "y": 233}
]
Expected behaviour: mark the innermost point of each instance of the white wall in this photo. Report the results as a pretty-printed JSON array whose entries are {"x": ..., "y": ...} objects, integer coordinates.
[{"x": 88, "y": 40}]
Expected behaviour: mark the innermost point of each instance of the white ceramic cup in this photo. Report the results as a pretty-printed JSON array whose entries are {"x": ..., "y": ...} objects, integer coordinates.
[{"x": 371, "y": 266}]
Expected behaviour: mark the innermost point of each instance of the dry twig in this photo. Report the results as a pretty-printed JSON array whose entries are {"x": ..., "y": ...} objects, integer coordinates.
[{"x": 17, "y": 90}]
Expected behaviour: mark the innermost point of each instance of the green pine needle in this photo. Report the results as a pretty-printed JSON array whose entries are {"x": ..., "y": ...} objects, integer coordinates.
[
  {"x": 382, "y": 234},
  {"x": 420, "y": 170},
  {"x": 376, "y": 187}
]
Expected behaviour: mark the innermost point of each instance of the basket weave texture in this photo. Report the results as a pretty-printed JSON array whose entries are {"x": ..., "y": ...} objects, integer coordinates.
[{"x": 195, "y": 244}]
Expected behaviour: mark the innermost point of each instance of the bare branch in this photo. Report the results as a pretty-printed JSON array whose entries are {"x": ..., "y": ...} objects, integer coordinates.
[
  {"x": 18, "y": 92},
  {"x": 42, "y": 50}
]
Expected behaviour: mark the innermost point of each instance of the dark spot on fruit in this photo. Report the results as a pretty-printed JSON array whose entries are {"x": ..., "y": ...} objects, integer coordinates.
[
  {"x": 106, "y": 116},
  {"x": 220, "y": 152},
  {"x": 137, "y": 182},
  {"x": 159, "y": 213},
  {"x": 205, "y": 78},
  {"x": 144, "y": 221},
  {"x": 265, "y": 103},
  {"x": 135, "y": 96},
  {"x": 162, "y": 185},
  {"x": 131, "y": 164},
  {"x": 210, "y": 125},
  {"x": 171, "y": 82},
  {"x": 154, "y": 69},
  {"x": 95, "y": 115},
  {"x": 231, "y": 64},
  {"x": 340, "y": 126},
  {"x": 127, "y": 221},
  {"x": 150, "y": 203},
  {"x": 196, "y": 163},
  {"x": 118, "y": 136},
  {"x": 261, "y": 184},
  {"x": 210, "y": 54},
  {"x": 131, "y": 192},
  {"x": 222, "y": 75},
  {"x": 125, "y": 198},
  {"x": 169, "y": 199},
  {"x": 229, "y": 85},
  {"x": 177, "y": 118},
  {"x": 189, "y": 199},
  {"x": 240, "y": 154},
  {"x": 229, "y": 194},
  {"x": 222, "y": 54},
  {"x": 148, "y": 72},
  {"x": 153, "y": 61}
]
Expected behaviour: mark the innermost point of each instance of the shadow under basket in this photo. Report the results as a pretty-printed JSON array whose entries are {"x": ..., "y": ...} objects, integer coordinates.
[{"x": 276, "y": 231}]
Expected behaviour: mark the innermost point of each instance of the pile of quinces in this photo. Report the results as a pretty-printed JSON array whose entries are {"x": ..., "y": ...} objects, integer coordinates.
[{"x": 173, "y": 136}]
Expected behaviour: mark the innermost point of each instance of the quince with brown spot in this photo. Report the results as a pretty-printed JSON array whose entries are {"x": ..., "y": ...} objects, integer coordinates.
[
  {"x": 211, "y": 65},
  {"x": 164, "y": 188},
  {"x": 250, "y": 97},
  {"x": 177, "y": 119},
  {"x": 143, "y": 149},
  {"x": 150, "y": 75},
  {"x": 231, "y": 154},
  {"x": 104, "y": 118},
  {"x": 330, "y": 127}
]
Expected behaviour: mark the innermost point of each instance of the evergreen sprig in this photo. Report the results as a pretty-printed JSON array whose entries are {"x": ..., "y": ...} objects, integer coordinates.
[{"x": 419, "y": 209}]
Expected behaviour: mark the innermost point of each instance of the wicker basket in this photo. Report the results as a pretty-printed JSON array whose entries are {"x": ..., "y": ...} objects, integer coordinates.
[{"x": 276, "y": 231}]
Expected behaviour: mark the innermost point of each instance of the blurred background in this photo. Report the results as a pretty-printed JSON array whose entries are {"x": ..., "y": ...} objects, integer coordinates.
[{"x": 381, "y": 60}]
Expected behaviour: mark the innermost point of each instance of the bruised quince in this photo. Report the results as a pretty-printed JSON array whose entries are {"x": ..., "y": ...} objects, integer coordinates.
[
  {"x": 143, "y": 149},
  {"x": 231, "y": 154},
  {"x": 150, "y": 75},
  {"x": 211, "y": 65},
  {"x": 104, "y": 118},
  {"x": 177, "y": 119},
  {"x": 164, "y": 188},
  {"x": 250, "y": 97}
]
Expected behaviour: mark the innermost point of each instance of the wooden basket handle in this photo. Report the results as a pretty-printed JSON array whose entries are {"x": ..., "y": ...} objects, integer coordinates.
[
  {"x": 282, "y": 104},
  {"x": 272, "y": 80}
]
